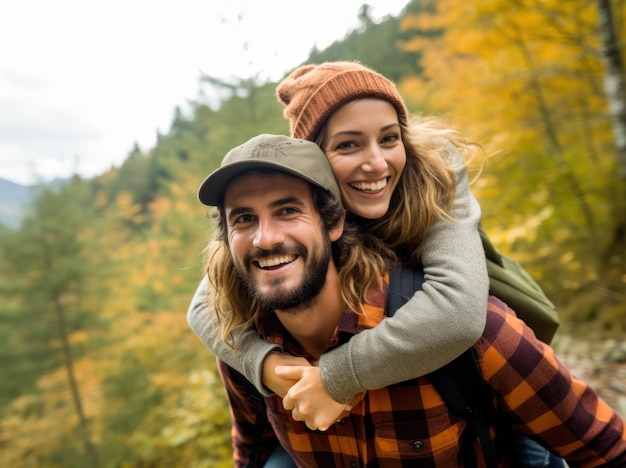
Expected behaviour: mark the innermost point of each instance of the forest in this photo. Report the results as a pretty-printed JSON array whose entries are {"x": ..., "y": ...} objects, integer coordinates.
[{"x": 99, "y": 366}]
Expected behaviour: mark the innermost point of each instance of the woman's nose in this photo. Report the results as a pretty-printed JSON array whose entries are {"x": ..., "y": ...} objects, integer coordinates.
[{"x": 374, "y": 160}]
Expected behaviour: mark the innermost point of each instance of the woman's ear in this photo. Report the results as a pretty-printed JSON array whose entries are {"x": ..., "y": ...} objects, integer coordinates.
[{"x": 336, "y": 232}]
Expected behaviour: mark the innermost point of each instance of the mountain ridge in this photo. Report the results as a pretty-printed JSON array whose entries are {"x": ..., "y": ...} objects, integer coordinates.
[{"x": 13, "y": 197}]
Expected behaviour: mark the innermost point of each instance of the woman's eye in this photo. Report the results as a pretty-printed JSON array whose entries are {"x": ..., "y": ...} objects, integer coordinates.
[
  {"x": 346, "y": 145},
  {"x": 390, "y": 138}
]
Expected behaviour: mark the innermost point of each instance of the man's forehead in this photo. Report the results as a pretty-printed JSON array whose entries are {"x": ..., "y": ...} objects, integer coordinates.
[{"x": 255, "y": 188}]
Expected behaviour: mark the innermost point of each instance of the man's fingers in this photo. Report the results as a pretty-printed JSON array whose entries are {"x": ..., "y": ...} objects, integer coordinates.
[
  {"x": 314, "y": 423},
  {"x": 311, "y": 424},
  {"x": 289, "y": 404},
  {"x": 290, "y": 372}
]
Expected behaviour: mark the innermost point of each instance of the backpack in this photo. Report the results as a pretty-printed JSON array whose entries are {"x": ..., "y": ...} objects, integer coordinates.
[{"x": 509, "y": 282}]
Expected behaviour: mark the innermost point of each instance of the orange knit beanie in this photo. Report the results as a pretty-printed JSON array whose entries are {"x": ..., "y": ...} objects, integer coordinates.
[{"x": 311, "y": 93}]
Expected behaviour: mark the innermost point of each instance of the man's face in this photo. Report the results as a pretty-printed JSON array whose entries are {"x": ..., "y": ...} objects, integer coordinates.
[{"x": 276, "y": 239}]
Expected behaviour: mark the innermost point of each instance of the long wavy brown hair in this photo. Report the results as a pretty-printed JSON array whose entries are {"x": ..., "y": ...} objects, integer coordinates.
[{"x": 359, "y": 268}]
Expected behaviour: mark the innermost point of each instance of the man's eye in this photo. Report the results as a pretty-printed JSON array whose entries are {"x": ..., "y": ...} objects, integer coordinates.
[
  {"x": 243, "y": 219},
  {"x": 288, "y": 211}
]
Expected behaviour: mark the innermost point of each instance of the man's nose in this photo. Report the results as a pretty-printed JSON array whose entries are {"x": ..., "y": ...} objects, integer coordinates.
[{"x": 268, "y": 234}]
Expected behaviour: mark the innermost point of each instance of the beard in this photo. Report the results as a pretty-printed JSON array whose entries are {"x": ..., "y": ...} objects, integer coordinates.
[{"x": 293, "y": 299}]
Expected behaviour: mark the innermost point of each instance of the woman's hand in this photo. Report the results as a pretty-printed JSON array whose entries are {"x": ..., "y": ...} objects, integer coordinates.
[
  {"x": 309, "y": 401},
  {"x": 278, "y": 384}
]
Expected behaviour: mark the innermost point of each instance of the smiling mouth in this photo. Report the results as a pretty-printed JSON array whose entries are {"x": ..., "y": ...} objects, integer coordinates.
[
  {"x": 275, "y": 261},
  {"x": 369, "y": 187}
]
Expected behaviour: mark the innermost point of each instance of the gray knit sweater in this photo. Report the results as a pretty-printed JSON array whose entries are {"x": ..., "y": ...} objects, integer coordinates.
[{"x": 436, "y": 325}]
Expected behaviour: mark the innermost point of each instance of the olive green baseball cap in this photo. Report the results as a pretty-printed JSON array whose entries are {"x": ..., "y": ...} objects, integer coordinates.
[{"x": 299, "y": 158}]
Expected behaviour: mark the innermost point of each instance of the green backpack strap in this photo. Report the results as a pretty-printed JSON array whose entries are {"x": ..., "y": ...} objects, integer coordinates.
[{"x": 509, "y": 282}]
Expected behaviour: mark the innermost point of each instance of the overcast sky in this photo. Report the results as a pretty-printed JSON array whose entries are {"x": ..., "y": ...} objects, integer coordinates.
[{"x": 82, "y": 80}]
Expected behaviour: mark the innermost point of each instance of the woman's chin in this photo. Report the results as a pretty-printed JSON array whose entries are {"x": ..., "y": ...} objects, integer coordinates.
[{"x": 369, "y": 212}]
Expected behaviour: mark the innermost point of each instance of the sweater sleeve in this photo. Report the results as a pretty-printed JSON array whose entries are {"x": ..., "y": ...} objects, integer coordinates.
[
  {"x": 251, "y": 348},
  {"x": 437, "y": 324}
]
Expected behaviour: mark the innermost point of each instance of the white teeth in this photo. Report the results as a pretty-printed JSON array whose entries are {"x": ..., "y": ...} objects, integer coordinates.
[
  {"x": 273, "y": 261},
  {"x": 370, "y": 186}
]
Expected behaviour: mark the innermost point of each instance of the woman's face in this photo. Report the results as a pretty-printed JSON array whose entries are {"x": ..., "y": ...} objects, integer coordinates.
[{"x": 363, "y": 144}]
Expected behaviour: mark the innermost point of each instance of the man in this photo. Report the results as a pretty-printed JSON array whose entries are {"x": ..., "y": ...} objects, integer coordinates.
[{"x": 280, "y": 258}]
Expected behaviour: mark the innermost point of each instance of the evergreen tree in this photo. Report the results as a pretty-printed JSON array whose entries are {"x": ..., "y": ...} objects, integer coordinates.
[{"x": 48, "y": 272}]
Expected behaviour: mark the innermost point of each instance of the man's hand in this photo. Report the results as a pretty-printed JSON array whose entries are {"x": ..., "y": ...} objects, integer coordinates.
[
  {"x": 278, "y": 384},
  {"x": 309, "y": 401}
]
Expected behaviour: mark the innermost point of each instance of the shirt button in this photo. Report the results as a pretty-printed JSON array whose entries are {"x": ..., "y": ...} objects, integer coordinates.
[{"x": 418, "y": 445}]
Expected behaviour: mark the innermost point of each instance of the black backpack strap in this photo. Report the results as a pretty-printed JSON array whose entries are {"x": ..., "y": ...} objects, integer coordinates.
[
  {"x": 260, "y": 420},
  {"x": 403, "y": 282},
  {"x": 460, "y": 382}
]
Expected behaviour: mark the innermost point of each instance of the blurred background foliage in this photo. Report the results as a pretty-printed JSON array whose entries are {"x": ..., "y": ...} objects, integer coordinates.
[{"x": 99, "y": 367}]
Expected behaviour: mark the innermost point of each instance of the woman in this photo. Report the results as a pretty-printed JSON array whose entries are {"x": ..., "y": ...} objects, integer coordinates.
[{"x": 402, "y": 191}]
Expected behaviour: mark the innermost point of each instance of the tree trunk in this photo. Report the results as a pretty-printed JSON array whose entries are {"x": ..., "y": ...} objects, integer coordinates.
[
  {"x": 615, "y": 86},
  {"x": 90, "y": 451},
  {"x": 614, "y": 81}
]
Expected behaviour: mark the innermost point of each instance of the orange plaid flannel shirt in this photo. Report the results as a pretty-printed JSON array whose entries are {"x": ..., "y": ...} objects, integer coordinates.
[{"x": 409, "y": 424}]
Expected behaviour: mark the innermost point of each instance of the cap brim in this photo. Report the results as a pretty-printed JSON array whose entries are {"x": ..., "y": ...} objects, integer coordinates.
[{"x": 211, "y": 191}]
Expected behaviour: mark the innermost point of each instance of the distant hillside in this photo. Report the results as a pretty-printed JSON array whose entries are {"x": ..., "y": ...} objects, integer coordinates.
[{"x": 13, "y": 197}]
